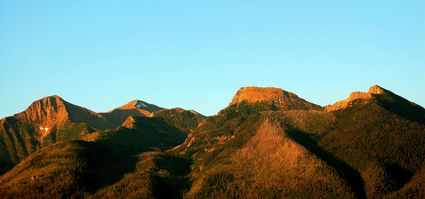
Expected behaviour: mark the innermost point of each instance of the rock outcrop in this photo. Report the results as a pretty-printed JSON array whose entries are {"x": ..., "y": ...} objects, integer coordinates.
[
  {"x": 357, "y": 97},
  {"x": 277, "y": 97},
  {"x": 46, "y": 112},
  {"x": 129, "y": 122}
]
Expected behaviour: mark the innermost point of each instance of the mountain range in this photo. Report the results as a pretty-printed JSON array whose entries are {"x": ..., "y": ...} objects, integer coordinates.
[{"x": 267, "y": 143}]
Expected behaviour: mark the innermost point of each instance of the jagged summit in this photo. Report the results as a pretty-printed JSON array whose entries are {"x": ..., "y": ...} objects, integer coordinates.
[
  {"x": 277, "y": 97},
  {"x": 55, "y": 97},
  {"x": 373, "y": 91},
  {"x": 46, "y": 111},
  {"x": 49, "y": 114},
  {"x": 52, "y": 100},
  {"x": 377, "y": 90}
]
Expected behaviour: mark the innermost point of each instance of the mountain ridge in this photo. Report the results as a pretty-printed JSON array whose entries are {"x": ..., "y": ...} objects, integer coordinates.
[
  {"x": 357, "y": 95},
  {"x": 267, "y": 143},
  {"x": 133, "y": 108}
]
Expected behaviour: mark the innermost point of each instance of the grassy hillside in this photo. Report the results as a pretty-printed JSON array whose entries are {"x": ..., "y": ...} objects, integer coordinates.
[
  {"x": 18, "y": 140},
  {"x": 52, "y": 171},
  {"x": 85, "y": 167},
  {"x": 267, "y": 165},
  {"x": 386, "y": 148},
  {"x": 157, "y": 175},
  {"x": 145, "y": 134},
  {"x": 371, "y": 150}
]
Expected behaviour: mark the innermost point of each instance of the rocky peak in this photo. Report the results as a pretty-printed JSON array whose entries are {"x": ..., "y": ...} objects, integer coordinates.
[
  {"x": 276, "y": 96},
  {"x": 45, "y": 114},
  {"x": 377, "y": 90},
  {"x": 138, "y": 104},
  {"x": 139, "y": 108},
  {"x": 49, "y": 114},
  {"x": 364, "y": 96},
  {"x": 46, "y": 111}
]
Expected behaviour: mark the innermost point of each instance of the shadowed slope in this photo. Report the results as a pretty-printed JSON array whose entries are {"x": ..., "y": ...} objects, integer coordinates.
[
  {"x": 267, "y": 165},
  {"x": 45, "y": 121},
  {"x": 157, "y": 175},
  {"x": 78, "y": 168},
  {"x": 184, "y": 120},
  {"x": 16, "y": 142},
  {"x": 384, "y": 98},
  {"x": 350, "y": 175},
  {"x": 142, "y": 134},
  {"x": 52, "y": 171},
  {"x": 384, "y": 146}
]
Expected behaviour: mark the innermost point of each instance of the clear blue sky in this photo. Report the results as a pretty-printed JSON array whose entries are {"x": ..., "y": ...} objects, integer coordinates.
[{"x": 196, "y": 54}]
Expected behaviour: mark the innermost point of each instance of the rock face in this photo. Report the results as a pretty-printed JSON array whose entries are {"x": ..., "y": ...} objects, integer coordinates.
[
  {"x": 53, "y": 112},
  {"x": 45, "y": 121},
  {"x": 359, "y": 97},
  {"x": 277, "y": 97},
  {"x": 46, "y": 112},
  {"x": 376, "y": 90}
]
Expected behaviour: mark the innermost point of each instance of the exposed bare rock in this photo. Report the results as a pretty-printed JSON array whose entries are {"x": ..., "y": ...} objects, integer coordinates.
[
  {"x": 129, "y": 122},
  {"x": 46, "y": 112},
  {"x": 275, "y": 96},
  {"x": 51, "y": 113},
  {"x": 361, "y": 97},
  {"x": 376, "y": 90}
]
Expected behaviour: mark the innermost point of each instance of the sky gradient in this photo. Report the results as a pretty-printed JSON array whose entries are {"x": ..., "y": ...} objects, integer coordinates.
[{"x": 196, "y": 54}]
